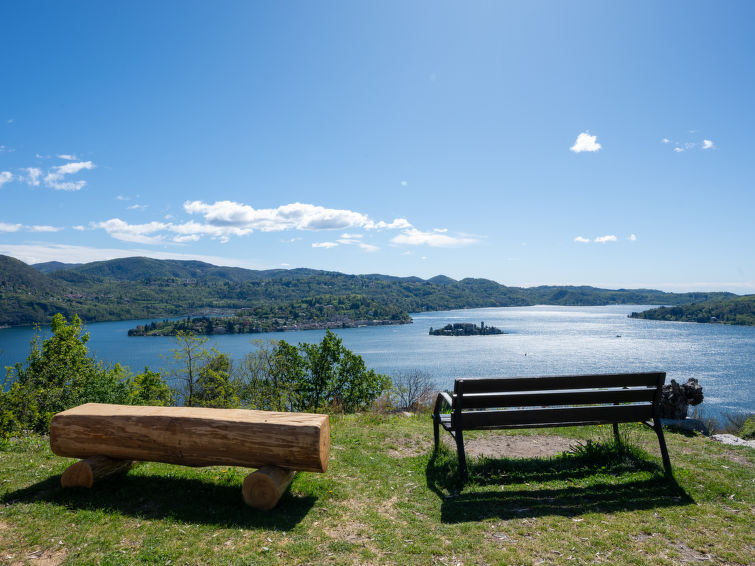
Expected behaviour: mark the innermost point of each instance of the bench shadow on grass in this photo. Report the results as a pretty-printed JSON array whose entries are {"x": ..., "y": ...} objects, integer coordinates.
[
  {"x": 157, "y": 497},
  {"x": 487, "y": 494}
]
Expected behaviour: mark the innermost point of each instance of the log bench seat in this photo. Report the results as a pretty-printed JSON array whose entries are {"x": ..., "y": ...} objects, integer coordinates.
[
  {"x": 551, "y": 401},
  {"x": 110, "y": 437}
]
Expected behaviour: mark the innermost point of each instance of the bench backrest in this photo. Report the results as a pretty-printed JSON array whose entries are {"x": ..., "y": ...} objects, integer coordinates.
[{"x": 560, "y": 400}]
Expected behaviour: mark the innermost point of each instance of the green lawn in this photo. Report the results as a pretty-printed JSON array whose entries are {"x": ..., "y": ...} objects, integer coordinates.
[{"x": 386, "y": 499}]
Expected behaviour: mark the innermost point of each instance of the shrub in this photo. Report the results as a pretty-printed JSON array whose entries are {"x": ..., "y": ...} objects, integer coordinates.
[
  {"x": 310, "y": 377},
  {"x": 747, "y": 430}
]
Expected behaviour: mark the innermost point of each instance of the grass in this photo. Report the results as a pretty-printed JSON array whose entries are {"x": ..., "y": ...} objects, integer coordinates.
[{"x": 388, "y": 499}]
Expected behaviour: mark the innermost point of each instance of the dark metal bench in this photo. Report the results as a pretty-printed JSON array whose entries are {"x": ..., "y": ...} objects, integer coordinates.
[{"x": 530, "y": 402}]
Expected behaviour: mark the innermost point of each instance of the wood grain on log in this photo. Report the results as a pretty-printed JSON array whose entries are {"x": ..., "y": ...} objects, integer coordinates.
[
  {"x": 192, "y": 436},
  {"x": 264, "y": 488},
  {"x": 85, "y": 472}
]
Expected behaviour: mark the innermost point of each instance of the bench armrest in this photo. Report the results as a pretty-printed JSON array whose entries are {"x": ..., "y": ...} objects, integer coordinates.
[{"x": 442, "y": 396}]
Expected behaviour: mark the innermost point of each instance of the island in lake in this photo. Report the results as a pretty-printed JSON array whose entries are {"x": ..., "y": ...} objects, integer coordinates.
[
  {"x": 312, "y": 313},
  {"x": 465, "y": 329}
]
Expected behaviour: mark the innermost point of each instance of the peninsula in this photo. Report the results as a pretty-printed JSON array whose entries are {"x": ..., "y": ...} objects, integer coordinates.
[{"x": 728, "y": 310}]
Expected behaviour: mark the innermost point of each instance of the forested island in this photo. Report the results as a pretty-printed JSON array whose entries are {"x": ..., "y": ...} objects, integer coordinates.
[
  {"x": 140, "y": 287},
  {"x": 733, "y": 310},
  {"x": 326, "y": 311},
  {"x": 465, "y": 329}
]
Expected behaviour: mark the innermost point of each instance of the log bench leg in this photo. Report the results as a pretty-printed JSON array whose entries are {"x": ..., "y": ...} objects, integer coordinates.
[
  {"x": 85, "y": 472},
  {"x": 263, "y": 489}
]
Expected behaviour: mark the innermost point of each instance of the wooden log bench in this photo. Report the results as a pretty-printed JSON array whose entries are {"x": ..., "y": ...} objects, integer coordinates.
[
  {"x": 530, "y": 402},
  {"x": 110, "y": 437}
]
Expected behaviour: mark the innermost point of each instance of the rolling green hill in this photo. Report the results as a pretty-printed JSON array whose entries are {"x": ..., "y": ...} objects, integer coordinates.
[{"x": 128, "y": 288}]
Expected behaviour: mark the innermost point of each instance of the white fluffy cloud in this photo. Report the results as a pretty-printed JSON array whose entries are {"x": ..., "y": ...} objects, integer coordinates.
[
  {"x": 32, "y": 176},
  {"x": 5, "y": 177},
  {"x": 414, "y": 237},
  {"x": 189, "y": 238},
  {"x": 225, "y": 219},
  {"x": 54, "y": 179},
  {"x": 38, "y": 228},
  {"x": 5, "y": 227},
  {"x": 137, "y": 233},
  {"x": 68, "y": 157},
  {"x": 708, "y": 144},
  {"x": 585, "y": 142},
  {"x": 294, "y": 216},
  {"x": 604, "y": 239}
]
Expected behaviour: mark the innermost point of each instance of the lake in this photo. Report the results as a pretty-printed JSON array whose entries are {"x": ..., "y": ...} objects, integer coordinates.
[{"x": 540, "y": 340}]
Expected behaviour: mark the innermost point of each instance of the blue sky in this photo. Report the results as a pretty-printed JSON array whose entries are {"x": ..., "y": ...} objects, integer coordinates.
[{"x": 598, "y": 143}]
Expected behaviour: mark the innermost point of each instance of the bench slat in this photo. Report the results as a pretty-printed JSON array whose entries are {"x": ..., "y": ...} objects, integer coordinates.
[
  {"x": 499, "y": 384},
  {"x": 601, "y": 414},
  {"x": 551, "y": 398}
]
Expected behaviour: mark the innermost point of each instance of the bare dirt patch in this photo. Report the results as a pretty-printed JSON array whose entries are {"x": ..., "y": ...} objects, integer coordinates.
[
  {"x": 409, "y": 447},
  {"x": 350, "y": 531},
  {"x": 738, "y": 458},
  {"x": 48, "y": 557},
  {"x": 517, "y": 446},
  {"x": 690, "y": 555}
]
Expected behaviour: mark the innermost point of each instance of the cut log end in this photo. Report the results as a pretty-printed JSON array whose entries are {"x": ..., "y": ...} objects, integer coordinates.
[
  {"x": 85, "y": 472},
  {"x": 263, "y": 489}
]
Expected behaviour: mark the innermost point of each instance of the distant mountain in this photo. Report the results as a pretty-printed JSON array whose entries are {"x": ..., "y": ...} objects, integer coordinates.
[
  {"x": 140, "y": 287},
  {"x": 50, "y": 266},
  {"x": 441, "y": 280},
  {"x": 145, "y": 268},
  {"x": 15, "y": 275}
]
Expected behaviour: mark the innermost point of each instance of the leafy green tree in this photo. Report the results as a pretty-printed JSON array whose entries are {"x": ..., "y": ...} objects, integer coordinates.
[
  {"x": 216, "y": 387},
  {"x": 59, "y": 374},
  {"x": 149, "y": 388},
  {"x": 271, "y": 376},
  {"x": 336, "y": 377},
  {"x": 311, "y": 377}
]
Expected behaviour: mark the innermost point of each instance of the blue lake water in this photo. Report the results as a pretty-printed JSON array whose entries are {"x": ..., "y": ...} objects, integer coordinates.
[{"x": 540, "y": 340}]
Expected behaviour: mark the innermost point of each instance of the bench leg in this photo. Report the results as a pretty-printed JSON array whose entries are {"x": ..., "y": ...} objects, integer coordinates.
[
  {"x": 662, "y": 441},
  {"x": 264, "y": 488},
  {"x": 436, "y": 430},
  {"x": 85, "y": 472},
  {"x": 463, "y": 472}
]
